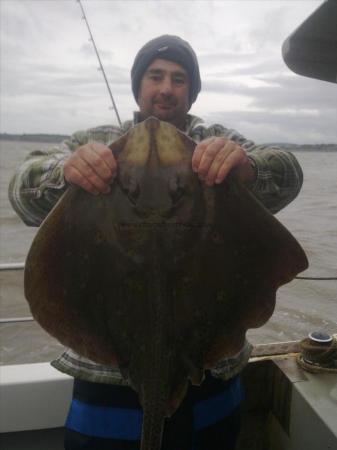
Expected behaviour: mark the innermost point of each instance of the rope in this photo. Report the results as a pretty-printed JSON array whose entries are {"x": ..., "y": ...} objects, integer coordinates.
[
  {"x": 318, "y": 357},
  {"x": 316, "y": 278}
]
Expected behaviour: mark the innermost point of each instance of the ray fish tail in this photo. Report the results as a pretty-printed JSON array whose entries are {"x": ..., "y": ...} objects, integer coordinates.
[{"x": 155, "y": 397}]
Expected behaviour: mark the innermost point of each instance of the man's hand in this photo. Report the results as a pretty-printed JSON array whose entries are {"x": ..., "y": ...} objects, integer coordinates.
[
  {"x": 92, "y": 167},
  {"x": 214, "y": 158}
]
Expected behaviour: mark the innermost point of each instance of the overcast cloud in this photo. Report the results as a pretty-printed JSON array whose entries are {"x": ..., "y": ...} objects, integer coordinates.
[{"x": 50, "y": 82}]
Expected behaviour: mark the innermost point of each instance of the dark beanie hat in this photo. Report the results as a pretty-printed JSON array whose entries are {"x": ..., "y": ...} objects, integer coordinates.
[{"x": 174, "y": 49}]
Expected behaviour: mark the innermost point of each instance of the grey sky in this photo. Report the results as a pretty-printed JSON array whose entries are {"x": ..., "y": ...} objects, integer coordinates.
[{"x": 50, "y": 82}]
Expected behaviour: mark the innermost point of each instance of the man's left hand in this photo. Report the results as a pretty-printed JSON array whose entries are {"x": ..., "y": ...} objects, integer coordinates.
[{"x": 214, "y": 158}]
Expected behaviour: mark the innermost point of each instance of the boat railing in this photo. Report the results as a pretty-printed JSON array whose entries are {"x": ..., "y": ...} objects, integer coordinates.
[
  {"x": 14, "y": 266},
  {"x": 21, "y": 265},
  {"x": 16, "y": 319}
]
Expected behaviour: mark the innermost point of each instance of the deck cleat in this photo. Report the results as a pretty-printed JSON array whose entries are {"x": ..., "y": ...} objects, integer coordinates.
[{"x": 320, "y": 336}]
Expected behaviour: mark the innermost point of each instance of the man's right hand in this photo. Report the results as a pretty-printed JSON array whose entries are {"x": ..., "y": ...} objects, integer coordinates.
[{"x": 93, "y": 167}]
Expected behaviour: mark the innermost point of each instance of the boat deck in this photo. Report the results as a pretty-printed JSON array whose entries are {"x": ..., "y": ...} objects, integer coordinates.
[{"x": 285, "y": 408}]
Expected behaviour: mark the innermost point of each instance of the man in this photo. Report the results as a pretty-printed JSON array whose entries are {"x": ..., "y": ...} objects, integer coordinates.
[{"x": 165, "y": 82}]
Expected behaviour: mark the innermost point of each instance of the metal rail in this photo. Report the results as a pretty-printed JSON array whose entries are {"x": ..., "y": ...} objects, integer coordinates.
[
  {"x": 21, "y": 266},
  {"x": 12, "y": 266},
  {"x": 16, "y": 319}
]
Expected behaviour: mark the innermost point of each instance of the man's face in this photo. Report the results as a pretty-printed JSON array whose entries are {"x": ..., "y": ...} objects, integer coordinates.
[{"x": 163, "y": 92}]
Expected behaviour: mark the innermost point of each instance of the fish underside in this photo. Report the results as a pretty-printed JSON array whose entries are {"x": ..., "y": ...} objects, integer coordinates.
[{"x": 163, "y": 276}]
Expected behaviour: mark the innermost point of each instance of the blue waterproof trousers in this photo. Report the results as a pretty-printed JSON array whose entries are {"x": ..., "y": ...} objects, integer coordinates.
[{"x": 109, "y": 417}]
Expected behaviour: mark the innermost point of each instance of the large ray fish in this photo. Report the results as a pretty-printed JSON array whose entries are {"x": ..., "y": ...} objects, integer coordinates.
[{"x": 163, "y": 276}]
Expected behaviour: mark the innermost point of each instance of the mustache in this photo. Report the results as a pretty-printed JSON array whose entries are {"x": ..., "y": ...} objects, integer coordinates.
[{"x": 167, "y": 101}]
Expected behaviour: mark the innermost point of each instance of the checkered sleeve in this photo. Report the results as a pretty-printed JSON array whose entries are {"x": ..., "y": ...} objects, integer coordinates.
[
  {"x": 279, "y": 176},
  {"x": 38, "y": 183}
]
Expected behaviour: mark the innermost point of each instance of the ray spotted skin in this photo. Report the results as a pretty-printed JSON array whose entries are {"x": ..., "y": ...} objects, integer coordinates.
[{"x": 159, "y": 270}]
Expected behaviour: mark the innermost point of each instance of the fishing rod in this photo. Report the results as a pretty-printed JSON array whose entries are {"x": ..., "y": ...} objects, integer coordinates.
[{"x": 100, "y": 63}]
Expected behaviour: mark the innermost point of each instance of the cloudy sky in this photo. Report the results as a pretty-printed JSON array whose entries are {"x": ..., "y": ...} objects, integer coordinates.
[{"x": 50, "y": 82}]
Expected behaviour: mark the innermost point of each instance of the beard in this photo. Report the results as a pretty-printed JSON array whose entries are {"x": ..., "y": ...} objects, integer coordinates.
[{"x": 167, "y": 109}]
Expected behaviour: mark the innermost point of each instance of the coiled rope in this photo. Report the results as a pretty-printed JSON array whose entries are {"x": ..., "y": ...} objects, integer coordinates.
[{"x": 318, "y": 357}]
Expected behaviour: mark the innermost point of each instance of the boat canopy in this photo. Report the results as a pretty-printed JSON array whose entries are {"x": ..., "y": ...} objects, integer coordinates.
[{"x": 311, "y": 50}]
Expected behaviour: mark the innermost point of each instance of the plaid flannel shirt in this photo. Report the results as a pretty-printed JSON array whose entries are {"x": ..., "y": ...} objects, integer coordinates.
[{"x": 39, "y": 182}]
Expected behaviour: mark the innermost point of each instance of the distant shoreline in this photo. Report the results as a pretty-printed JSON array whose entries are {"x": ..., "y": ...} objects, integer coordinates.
[
  {"x": 39, "y": 137},
  {"x": 306, "y": 147},
  {"x": 57, "y": 138}
]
